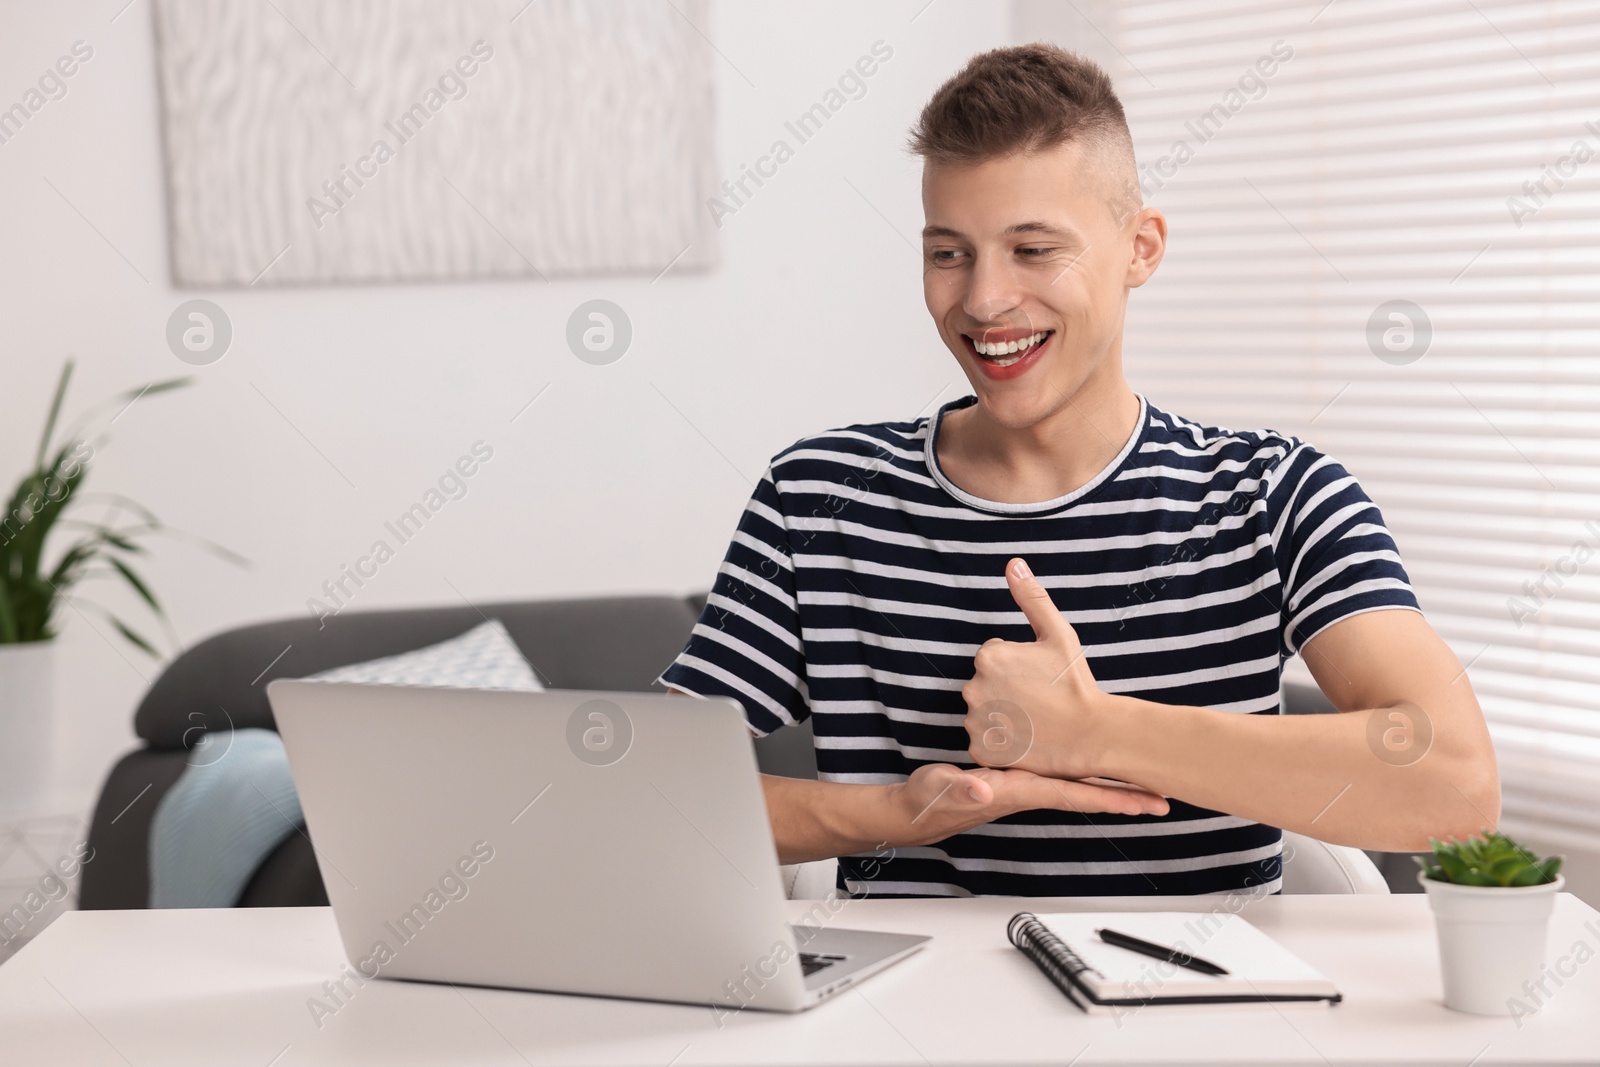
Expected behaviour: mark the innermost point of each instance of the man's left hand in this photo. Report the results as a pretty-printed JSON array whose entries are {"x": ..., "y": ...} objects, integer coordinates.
[{"x": 1033, "y": 704}]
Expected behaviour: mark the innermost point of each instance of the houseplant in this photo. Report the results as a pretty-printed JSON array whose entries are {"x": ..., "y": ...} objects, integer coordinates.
[
  {"x": 48, "y": 506},
  {"x": 1491, "y": 900}
]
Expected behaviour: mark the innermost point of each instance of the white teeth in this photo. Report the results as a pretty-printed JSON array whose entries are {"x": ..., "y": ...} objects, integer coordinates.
[{"x": 1000, "y": 349}]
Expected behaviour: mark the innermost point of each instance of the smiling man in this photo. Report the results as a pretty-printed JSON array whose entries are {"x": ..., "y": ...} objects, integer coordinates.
[{"x": 1052, "y": 579}]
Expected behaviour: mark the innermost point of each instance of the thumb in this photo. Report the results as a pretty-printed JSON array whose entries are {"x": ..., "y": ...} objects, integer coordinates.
[
  {"x": 1034, "y": 600},
  {"x": 947, "y": 784},
  {"x": 977, "y": 789}
]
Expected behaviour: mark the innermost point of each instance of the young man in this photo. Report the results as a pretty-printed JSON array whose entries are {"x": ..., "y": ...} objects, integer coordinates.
[{"x": 1053, "y": 580}]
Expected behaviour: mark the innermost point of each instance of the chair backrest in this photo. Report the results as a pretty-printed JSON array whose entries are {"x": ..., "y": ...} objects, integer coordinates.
[
  {"x": 1312, "y": 866},
  {"x": 1309, "y": 866},
  {"x": 809, "y": 881}
]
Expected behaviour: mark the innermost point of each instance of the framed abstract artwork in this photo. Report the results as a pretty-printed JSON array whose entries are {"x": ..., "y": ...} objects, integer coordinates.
[{"x": 312, "y": 142}]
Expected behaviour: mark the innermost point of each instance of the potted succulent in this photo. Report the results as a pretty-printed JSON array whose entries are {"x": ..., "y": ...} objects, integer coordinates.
[
  {"x": 1491, "y": 901},
  {"x": 48, "y": 505}
]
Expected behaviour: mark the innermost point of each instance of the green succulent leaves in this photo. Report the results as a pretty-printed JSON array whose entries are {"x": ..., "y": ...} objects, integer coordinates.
[{"x": 1488, "y": 859}]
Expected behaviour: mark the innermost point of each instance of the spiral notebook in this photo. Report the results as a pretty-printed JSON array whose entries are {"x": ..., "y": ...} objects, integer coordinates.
[{"x": 1100, "y": 977}]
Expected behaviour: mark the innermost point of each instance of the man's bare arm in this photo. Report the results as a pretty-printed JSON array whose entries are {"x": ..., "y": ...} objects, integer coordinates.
[
  {"x": 1351, "y": 778},
  {"x": 1409, "y": 756},
  {"x": 813, "y": 820}
]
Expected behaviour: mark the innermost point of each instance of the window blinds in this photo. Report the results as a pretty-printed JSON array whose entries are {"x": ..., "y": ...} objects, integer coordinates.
[{"x": 1385, "y": 239}]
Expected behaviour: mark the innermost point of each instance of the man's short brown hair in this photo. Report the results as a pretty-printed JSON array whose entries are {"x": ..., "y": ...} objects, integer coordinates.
[{"x": 1028, "y": 98}]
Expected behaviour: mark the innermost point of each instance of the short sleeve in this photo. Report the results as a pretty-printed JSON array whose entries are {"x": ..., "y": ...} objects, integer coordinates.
[
  {"x": 1336, "y": 558},
  {"x": 746, "y": 643}
]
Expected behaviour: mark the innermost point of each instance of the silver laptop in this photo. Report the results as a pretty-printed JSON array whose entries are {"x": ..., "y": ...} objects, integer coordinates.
[{"x": 602, "y": 843}]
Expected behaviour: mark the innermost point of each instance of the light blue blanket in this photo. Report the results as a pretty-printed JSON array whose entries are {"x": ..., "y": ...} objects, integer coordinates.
[{"x": 233, "y": 805}]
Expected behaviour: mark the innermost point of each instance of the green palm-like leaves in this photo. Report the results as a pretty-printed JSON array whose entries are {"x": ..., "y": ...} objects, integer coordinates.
[
  {"x": 31, "y": 592},
  {"x": 1488, "y": 859}
]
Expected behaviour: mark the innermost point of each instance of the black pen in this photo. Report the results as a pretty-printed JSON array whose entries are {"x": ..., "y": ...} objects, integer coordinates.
[{"x": 1160, "y": 952}]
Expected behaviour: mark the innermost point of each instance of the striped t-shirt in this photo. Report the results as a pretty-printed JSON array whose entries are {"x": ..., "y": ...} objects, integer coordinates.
[{"x": 861, "y": 581}]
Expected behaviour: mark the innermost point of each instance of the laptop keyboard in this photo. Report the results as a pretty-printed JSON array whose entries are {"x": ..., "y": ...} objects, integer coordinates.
[{"x": 812, "y": 962}]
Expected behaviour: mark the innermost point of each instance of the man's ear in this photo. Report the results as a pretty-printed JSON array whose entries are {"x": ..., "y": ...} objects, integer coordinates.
[{"x": 1149, "y": 246}]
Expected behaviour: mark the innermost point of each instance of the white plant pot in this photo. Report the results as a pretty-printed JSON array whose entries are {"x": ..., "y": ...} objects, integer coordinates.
[
  {"x": 27, "y": 715},
  {"x": 1491, "y": 940}
]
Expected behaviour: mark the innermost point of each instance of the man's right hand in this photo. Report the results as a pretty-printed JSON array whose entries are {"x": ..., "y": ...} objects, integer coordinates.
[
  {"x": 820, "y": 820},
  {"x": 939, "y": 800}
]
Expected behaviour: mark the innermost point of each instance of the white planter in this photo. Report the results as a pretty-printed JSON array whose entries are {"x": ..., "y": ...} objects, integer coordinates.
[
  {"x": 27, "y": 714},
  {"x": 1491, "y": 940}
]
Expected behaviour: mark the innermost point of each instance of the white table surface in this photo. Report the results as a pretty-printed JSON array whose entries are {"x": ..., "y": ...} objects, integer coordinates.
[{"x": 231, "y": 986}]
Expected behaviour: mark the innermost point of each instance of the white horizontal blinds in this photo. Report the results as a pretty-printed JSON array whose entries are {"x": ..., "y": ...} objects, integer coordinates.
[{"x": 1316, "y": 161}]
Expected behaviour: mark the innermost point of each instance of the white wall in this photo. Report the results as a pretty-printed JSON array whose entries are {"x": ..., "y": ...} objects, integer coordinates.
[{"x": 814, "y": 319}]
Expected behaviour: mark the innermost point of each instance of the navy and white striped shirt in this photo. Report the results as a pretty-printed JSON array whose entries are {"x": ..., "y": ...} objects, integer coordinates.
[{"x": 861, "y": 581}]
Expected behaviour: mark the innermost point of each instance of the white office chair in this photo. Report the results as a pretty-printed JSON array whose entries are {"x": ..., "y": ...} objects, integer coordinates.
[
  {"x": 809, "y": 881},
  {"x": 1309, "y": 866},
  {"x": 1312, "y": 866}
]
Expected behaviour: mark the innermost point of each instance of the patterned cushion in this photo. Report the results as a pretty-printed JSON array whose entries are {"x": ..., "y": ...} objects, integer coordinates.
[{"x": 484, "y": 657}]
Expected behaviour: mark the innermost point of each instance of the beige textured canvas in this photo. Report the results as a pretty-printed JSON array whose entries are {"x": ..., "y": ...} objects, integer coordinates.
[{"x": 316, "y": 141}]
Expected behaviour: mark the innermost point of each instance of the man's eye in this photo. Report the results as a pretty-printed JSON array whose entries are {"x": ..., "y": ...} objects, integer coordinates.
[
  {"x": 944, "y": 256},
  {"x": 1034, "y": 253}
]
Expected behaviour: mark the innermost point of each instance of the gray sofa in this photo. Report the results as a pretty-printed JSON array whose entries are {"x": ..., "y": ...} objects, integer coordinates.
[{"x": 220, "y": 684}]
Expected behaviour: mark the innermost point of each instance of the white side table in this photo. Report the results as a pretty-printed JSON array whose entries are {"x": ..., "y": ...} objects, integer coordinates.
[{"x": 42, "y": 852}]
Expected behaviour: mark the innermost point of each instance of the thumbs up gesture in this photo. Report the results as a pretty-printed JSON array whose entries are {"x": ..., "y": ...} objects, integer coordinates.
[{"x": 1032, "y": 704}]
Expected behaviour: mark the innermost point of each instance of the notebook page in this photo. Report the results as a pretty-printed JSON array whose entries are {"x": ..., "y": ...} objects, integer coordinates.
[{"x": 1256, "y": 963}]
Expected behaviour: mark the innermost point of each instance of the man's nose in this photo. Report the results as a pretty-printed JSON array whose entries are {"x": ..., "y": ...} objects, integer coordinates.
[{"x": 995, "y": 294}]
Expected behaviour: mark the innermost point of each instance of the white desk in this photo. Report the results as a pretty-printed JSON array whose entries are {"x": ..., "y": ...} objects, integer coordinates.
[{"x": 231, "y": 987}]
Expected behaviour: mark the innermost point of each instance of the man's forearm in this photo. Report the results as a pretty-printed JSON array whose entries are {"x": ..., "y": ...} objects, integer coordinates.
[
  {"x": 819, "y": 820},
  {"x": 814, "y": 820},
  {"x": 1313, "y": 774},
  {"x": 1334, "y": 777}
]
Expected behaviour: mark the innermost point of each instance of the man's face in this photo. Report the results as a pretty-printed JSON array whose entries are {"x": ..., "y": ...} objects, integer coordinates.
[{"x": 1041, "y": 247}]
